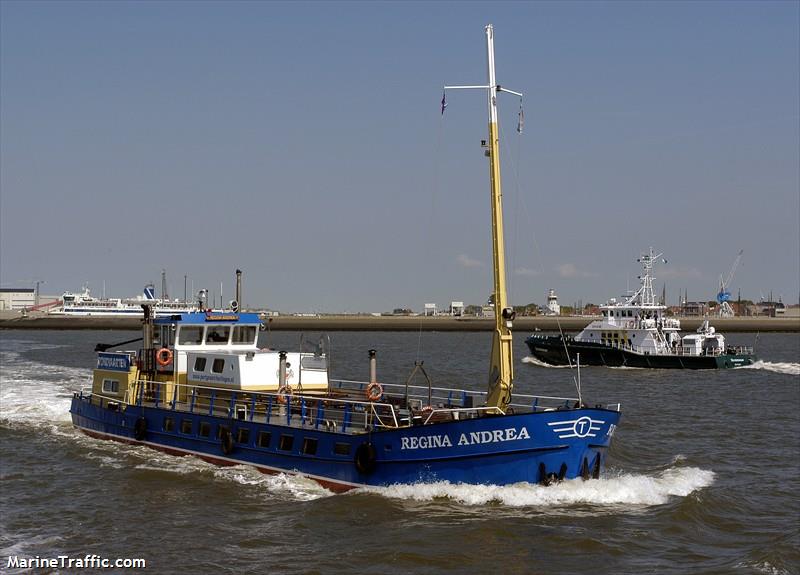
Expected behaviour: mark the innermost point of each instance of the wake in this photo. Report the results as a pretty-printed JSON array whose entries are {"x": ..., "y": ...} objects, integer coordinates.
[{"x": 777, "y": 367}]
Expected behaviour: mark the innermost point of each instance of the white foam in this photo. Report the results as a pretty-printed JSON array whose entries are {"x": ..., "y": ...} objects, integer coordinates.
[
  {"x": 37, "y": 394},
  {"x": 533, "y": 361},
  {"x": 764, "y": 567},
  {"x": 777, "y": 367},
  {"x": 622, "y": 490}
]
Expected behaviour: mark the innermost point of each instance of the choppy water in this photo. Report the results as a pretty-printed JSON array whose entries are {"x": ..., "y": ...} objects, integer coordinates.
[{"x": 703, "y": 477}]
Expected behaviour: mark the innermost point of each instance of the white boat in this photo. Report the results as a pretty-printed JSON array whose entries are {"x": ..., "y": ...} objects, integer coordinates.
[{"x": 85, "y": 304}]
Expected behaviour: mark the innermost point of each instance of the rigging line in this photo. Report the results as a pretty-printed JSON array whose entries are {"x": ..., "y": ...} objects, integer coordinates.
[
  {"x": 437, "y": 183},
  {"x": 515, "y": 224}
]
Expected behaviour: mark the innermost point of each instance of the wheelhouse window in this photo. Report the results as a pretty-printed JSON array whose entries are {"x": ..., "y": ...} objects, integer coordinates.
[
  {"x": 218, "y": 365},
  {"x": 190, "y": 335},
  {"x": 218, "y": 334},
  {"x": 200, "y": 364},
  {"x": 111, "y": 386},
  {"x": 244, "y": 335}
]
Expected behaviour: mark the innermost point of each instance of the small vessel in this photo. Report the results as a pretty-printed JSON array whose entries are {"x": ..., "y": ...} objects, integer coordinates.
[
  {"x": 636, "y": 332},
  {"x": 85, "y": 304},
  {"x": 200, "y": 386}
]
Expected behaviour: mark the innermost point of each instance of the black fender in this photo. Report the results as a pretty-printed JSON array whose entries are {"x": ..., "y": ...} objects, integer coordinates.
[
  {"x": 140, "y": 429},
  {"x": 366, "y": 458},
  {"x": 226, "y": 440}
]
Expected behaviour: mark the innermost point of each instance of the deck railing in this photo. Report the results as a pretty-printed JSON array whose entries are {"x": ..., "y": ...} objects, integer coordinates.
[{"x": 339, "y": 409}]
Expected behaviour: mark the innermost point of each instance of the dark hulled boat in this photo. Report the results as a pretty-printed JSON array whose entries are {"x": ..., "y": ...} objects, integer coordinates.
[{"x": 637, "y": 333}]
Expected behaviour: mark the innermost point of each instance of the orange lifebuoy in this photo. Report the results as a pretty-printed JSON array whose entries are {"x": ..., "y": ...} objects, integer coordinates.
[
  {"x": 284, "y": 393},
  {"x": 427, "y": 409},
  {"x": 164, "y": 356},
  {"x": 374, "y": 391}
]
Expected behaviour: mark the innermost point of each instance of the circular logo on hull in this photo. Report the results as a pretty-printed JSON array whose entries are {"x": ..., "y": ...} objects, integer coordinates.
[{"x": 582, "y": 426}]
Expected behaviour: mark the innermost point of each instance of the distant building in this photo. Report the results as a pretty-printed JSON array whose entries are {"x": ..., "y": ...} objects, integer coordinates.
[
  {"x": 457, "y": 308},
  {"x": 17, "y": 298},
  {"x": 430, "y": 309},
  {"x": 694, "y": 308},
  {"x": 771, "y": 308},
  {"x": 552, "y": 304}
]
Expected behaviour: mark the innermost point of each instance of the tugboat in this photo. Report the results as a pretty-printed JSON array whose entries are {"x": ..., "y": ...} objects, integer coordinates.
[
  {"x": 200, "y": 386},
  {"x": 637, "y": 333}
]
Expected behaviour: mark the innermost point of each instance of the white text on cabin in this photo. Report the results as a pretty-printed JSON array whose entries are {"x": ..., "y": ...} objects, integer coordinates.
[{"x": 433, "y": 441}]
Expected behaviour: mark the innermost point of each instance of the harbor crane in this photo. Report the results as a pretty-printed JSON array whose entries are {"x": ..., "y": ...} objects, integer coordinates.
[{"x": 724, "y": 296}]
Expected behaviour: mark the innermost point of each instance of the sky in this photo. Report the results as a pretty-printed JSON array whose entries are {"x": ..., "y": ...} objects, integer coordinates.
[{"x": 303, "y": 143}]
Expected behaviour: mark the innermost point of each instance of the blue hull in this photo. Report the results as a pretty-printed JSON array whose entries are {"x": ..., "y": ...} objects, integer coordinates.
[{"x": 500, "y": 450}]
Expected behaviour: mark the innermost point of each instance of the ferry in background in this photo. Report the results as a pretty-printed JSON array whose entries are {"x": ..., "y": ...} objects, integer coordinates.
[
  {"x": 637, "y": 333},
  {"x": 85, "y": 304},
  {"x": 199, "y": 385}
]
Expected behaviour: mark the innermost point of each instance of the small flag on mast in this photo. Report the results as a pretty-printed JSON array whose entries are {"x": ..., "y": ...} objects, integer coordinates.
[
  {"x": 521, "y": 119},
  {"x": 444, "y": 103}
]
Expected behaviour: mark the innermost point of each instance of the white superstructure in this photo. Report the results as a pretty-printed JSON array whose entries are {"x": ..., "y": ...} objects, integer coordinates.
[{"x": 639, "y": 324}]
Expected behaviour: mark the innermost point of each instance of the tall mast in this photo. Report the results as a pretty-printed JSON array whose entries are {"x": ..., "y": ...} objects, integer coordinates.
[{"x": 501, "y": 372}]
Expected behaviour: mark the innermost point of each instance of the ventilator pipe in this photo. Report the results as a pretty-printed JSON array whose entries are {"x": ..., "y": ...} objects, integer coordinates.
[
  {"x": 373, "y": 366},
  {"x": 239, "y": 288},
  {"x": 281, "y": 369}
]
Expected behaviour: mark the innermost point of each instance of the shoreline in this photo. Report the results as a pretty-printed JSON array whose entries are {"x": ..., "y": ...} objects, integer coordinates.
[{"x": 15, "y": 320}]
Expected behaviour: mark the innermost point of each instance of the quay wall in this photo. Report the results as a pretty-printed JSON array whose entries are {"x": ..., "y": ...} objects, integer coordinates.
[{"x": 14, "y": 320}]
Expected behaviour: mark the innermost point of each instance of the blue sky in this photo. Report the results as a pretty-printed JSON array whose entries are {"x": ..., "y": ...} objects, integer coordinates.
[{"x": 302, "y": 143}]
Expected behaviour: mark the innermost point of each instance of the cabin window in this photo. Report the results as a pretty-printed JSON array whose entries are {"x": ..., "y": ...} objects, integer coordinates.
[
  {"x": 200, "y": 364},
  {"x": 186, "y": 426},
  {"x": 190, "y": 335},
  {"x": 244, "y": 335},
  {"x": 205, "y": 429},
  {"x": 243, "y": 435},
  {"x": 286, "y": 442},
  {"x": 222, "y": 429},
  {"x": 241, "y": 412},
  {"x": 169, "y": 424},
  {"x": 218, "y": 365},
  {"x": 313, "y": 362},
  {"x": 264, "y": 438},
  {"x": 341, "y": 449},
  {"x": 111, "y": 386},
  {"x": 218, "y": 334},
  {"x": 309, "y": 446}
]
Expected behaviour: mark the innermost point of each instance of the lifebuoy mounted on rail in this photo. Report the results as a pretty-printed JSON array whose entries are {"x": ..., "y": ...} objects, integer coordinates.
[
  {"x": 366, "y": 458},
  {"x": 164, "y": 356},
  {"x": 284, "y": 393},
  {"x": 140, "y": 429},
  {"x": 374, "y": 391}
]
